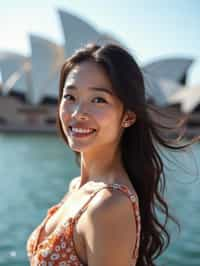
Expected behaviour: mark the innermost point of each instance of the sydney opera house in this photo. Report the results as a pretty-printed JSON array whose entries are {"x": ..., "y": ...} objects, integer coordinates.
[{"x": 29, "y": 85}]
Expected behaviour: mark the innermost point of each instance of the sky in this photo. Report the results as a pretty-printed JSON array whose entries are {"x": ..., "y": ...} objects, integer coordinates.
[{"x": 150, "y": 29}]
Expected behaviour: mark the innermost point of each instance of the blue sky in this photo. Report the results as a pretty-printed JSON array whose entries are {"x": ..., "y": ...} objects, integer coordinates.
[{"x": 151, "y": 29}]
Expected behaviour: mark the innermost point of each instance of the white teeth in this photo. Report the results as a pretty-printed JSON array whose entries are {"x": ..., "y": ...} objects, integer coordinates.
[{"x": 81, "y": 130}]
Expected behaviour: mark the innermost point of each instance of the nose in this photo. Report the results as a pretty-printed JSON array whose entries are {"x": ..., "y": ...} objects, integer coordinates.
[{"x": 80, "y": 113}]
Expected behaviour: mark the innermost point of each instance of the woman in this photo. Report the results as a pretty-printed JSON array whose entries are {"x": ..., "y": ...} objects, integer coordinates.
[{"x": 108, "y": 215}]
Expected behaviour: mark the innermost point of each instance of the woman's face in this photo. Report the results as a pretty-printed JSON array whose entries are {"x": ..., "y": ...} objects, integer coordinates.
[{"x": 88, "y": 103}]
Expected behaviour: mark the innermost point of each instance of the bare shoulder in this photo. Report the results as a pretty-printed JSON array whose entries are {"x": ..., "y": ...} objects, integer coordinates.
[
  {"x": 71, "y": 186},
  {"x": 111, "y": 230},
  {"x": 107, "y": 200},
  {"x": 109, "y": 205},
  {"x": 73, "y": 183}
]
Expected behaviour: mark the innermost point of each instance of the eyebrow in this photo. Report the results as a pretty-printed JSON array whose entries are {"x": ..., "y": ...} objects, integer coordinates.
[{"x": 72, "y": 87}]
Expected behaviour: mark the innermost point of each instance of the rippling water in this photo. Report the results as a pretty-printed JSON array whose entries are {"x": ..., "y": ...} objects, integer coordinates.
[{"x": 35, "y": 171}]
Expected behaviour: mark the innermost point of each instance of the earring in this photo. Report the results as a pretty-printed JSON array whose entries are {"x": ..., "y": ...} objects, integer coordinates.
[{"x": 126, "y": 124}]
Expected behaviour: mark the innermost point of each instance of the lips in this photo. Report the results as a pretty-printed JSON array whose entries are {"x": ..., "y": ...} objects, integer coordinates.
[
  {"x": 79, "y": 126},
  {"x": 86, "y": 128},
  {"x": 81, "y": 134}
]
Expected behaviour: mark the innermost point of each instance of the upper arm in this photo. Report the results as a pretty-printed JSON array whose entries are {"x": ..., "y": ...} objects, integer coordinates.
[{"x": 111, "y": 231}]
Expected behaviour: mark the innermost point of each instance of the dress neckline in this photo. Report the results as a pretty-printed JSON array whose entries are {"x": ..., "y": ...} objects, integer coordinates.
[{"x": 71, "y": 219}]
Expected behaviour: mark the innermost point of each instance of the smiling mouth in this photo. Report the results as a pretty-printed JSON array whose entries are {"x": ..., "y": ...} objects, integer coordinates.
[{"x": 81, "y": 133}]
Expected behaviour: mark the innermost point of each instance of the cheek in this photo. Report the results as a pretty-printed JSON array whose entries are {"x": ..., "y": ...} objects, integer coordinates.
[
  {"x": 108, "y": 119},
  {"x": 63, "y": 114},
  {"x": 101, "y": 114},
  {"x": 106, "y": 116},
  {"x": 111, "y": 123}
]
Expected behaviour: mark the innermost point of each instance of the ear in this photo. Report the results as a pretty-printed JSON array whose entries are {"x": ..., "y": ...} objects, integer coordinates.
[{"x": 129, "y": 119}]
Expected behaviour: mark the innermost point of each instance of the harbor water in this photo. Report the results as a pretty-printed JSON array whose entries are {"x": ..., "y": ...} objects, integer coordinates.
[{"x": 35, "y": 171}]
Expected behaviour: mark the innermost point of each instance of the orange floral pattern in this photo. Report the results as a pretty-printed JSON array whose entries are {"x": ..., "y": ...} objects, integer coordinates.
[{"x": 58, "y": 248}]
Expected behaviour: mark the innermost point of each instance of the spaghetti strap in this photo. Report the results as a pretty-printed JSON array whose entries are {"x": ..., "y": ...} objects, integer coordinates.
[
  {"x": 60, "y": 243},
  {"x": 135, "y": 203}
]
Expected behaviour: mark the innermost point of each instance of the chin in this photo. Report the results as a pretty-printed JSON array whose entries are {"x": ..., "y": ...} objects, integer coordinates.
[{"x": 79, "y": 147}]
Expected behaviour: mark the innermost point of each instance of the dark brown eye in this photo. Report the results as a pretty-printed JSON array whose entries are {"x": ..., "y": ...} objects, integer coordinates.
[
  {"x": 68, "y": 96},
  {"x": 101, "y": 99}
]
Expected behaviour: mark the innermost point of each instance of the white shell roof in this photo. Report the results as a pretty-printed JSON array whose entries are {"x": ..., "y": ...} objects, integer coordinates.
[
  {"x": 38, "y": 76},
  {"x": 162, "y": 77},
  {"x": 6, "y": 55},
  {"x": 15, "y": 69},
  {"x": 188, "y": 97},
  {"x": 47, "y": 58},
  {"x": 153, "y": 90},
  {"x": 172, "y": 69},
  {"x": 76, "y": 32}
]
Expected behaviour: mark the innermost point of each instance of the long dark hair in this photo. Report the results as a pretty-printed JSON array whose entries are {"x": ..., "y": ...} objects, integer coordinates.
[{"x": 139, "y": 143}]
